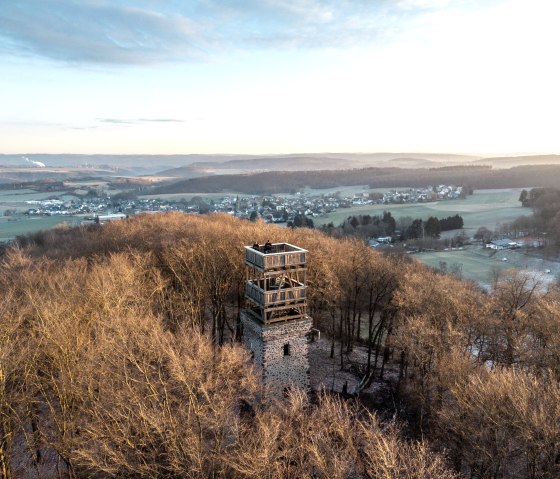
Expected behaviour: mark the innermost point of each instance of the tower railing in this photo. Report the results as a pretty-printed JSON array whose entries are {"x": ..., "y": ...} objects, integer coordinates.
[{"x": 280, "y": 255}]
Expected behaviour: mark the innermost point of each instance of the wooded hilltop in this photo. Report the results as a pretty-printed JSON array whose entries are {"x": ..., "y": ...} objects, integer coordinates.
[{"x": 118, "y": 358}]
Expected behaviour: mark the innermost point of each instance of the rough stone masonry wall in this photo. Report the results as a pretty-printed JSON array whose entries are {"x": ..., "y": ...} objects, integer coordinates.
[
  {"x": 252, "y": 338},
  {"x": 280, "y": 371}
]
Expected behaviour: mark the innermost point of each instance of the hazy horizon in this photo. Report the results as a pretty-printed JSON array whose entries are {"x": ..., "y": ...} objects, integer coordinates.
[
  {"x": 279, "y": 77},
  {"x": 483, "y": 155}
]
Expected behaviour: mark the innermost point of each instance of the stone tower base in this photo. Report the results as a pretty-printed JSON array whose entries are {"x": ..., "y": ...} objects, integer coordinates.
[{"x": 280, "y": 352}]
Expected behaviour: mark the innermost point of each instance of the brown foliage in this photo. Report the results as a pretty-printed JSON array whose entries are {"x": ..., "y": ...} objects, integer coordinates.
[
  {"x": 104, "y": 363},
  {"x": 503, "y": 419},
  {"x": 333, "y": 440},
  {"x": 105, "y": 370}
]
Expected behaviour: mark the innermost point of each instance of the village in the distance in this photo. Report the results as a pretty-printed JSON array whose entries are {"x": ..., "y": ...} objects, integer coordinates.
[{"x": 98, "y": 205}]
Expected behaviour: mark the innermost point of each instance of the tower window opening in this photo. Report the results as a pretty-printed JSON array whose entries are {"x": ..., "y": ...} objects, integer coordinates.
[{"x": 287, "y": 349}]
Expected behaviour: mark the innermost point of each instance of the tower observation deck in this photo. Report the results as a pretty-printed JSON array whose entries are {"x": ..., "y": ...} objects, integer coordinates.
[{"x": 275, "y": 287}]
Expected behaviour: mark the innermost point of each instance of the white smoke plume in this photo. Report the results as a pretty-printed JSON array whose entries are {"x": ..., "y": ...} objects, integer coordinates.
[{"x": 36, "y": 163}]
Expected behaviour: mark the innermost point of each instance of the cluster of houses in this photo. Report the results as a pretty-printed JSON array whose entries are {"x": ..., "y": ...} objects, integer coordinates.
[
  {"x": 421, "y": 195},
  {"x": 278, "y": 209},
  {"x": 284, "y": 208},
  {"x": 101, "y": 206},
  {"x": 271, "y": 208}
]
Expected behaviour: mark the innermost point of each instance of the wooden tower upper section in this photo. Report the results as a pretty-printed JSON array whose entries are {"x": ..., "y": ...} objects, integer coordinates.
[{"x": 275, "y": 287}]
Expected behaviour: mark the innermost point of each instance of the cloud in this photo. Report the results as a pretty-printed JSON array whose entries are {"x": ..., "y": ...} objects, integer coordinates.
[
  {"x": 93, "y": 31},
  {"x": 160, "y": 120},
  {"x": 117, "y": 121},
  {"x": 121, "y": 121},
  {"x": 147, "y": 31}
]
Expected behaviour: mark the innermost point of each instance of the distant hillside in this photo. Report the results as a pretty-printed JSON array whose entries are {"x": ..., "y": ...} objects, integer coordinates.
[
  {"x": 196, "y": 165},
  {"x": 272, "y": 163},
  {"x": 368, "y": 159},
  {"x": 292, "y": 163},
  {"x": 146, "y": 164},
  {"x": 511, "y": 161},
  {"x": 143, "y": 163},
  {"x": 316, "y": 161},
  {"x": 413, "y": 163},
  {"x": 286, "y": 181},
  {"x": 29, "y": 174}
]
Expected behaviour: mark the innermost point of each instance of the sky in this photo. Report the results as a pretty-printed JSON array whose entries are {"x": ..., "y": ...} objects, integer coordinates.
[{"x": 279, "y": 76}]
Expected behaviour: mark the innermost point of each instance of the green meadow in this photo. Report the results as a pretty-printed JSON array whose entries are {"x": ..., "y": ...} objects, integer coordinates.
[
  {"x": 474, "y": 264},
  {"x": 482, "y": 264},
  {"x": 190, "y": 196},
  {"x": 12, "y": 227},
  {"x": 488, "y": 208}
]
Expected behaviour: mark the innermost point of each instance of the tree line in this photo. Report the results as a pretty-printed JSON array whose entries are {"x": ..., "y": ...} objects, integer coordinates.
[
  {"x": 118, "y": 358},
  {"x": 276, "y": 182},
  {"x": 405, "y": 228}
]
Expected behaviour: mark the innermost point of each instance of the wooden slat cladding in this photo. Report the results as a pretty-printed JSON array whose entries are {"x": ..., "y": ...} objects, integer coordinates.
[
  {"x": 275, "y": 297},
  {"x": 281, "y": 255},
  {"x": 281, "y": 260}
]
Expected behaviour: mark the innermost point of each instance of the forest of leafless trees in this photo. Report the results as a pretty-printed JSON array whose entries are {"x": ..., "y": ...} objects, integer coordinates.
[{"x": 119, "y": 358}]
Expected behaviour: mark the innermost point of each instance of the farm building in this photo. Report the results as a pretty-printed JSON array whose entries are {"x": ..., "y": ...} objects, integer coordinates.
[
  {"x": 111, "y": 217},
  {"x": 502, "y": 244}
]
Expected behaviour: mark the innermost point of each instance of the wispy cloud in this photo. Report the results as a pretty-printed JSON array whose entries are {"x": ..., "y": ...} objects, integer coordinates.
[
  {"x": 117, "y": 121},
  {"x": 145, "y": 31},
  {"x": 123, "y": 121},
  {"x": 160, "y": 120}
]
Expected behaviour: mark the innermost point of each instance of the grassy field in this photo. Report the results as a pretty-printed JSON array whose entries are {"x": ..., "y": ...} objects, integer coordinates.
[
  {"x": 16, "y": 199},
  {"x": 484, "y": 208},
  {"x": 481, "y": 265},
  {"x": 10, "y": 196},
  {"x": 189, "y": 196},
  {"x": 12, "y": 227},
  {"x": 343, "y": 190},
  {"x": 474, "y": 264}
]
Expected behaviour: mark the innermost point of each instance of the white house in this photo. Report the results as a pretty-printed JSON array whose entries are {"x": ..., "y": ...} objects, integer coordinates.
[{"x": 502, "y": 244}]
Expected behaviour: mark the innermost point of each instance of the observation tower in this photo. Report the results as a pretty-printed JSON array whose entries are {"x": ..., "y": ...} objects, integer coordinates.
[{"x": 275, "y": 320}]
